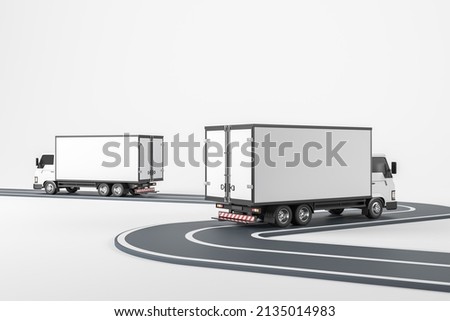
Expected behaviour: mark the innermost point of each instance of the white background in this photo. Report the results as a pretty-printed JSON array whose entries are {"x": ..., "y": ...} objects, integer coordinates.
[
  {"x": 167, "y": 67},
  {"x": 163, "y": 67}
]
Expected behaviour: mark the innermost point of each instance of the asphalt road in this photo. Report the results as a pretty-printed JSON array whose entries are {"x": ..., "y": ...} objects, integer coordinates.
[
  {"x": 228, "y": 245},
  {"x": 151, "y": 197}
]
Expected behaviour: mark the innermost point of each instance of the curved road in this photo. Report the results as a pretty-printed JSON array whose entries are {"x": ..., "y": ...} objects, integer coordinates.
[{"x": 250, "y": 248}]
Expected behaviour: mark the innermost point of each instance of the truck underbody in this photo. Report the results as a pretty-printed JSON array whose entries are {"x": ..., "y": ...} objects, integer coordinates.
[
  {"x": 104, "y": 188},
  {"x": 267, "y": 213}
]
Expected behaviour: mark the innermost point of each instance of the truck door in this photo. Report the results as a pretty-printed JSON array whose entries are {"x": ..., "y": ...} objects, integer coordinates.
[
  {"x": 382, "y": 182},
  {"x": 228, "y": 169},
  {"x": 215, "y": 159},
  {"x": 144, "y": 159},
  {"x": 157, "y": 159},
  {"x": 239, "y": 164}
]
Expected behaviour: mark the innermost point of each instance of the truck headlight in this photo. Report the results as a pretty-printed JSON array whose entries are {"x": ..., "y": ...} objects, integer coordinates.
[
  {"x": 36, "y": 180},
  {"x": 393, "y": 195}
]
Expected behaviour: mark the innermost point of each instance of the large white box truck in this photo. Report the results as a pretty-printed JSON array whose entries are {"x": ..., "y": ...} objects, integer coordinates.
[
  {"x": 281, "y": 174},
  {"x": 114, "y": 165}
]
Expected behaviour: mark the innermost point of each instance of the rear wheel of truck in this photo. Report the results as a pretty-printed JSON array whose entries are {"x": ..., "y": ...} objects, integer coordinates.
[
  {"x": 72, "y": 190},
  {"x": 282, "y": 215},
  {"x": 374, "y": 208},
  {"x": 118, "y": 190},
  {"x": 104, "y": 189},
  {"x": 336, "y": 211},
  {"x": 302, "y": 215},
  {"x": 51, "y": 188}
]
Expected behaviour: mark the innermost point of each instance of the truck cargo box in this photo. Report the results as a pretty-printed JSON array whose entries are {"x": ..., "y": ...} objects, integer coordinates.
[
  {"x": 304, "y": 164},
  {"x": 116, "y": 159}
]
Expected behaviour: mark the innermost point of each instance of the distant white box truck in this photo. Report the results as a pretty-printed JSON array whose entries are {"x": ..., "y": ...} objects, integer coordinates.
[
  {"x": 114, "y": 165},
  {"x": 281, "y": 174}
]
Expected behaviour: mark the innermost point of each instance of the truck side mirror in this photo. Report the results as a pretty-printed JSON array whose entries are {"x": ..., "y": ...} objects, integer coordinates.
[
  {"x": 37, "y": 162},
  {"x": 394, "y": 167}
]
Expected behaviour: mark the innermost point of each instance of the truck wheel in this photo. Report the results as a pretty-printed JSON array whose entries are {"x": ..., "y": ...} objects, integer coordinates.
[
  {"x": 336, "y": 211},
  {"x": 375, "y": 208},
  {"x": 104, "y": 189},
  {"x": 118, "y": 190},
  {"x": 51, "y": 188},
  {"x": 282, "y": 216},
  {"x": 72, "y": 190},
  {"x": 132, "y": 192},
  {"x": 302, "y": 215}
]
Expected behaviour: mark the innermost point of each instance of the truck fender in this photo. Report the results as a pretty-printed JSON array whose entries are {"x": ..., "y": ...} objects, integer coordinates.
[
  {"x": 377, "y": 195},
  {"x": 269, "y": 217}
]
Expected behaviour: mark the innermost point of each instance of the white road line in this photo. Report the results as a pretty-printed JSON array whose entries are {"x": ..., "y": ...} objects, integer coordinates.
[
  {"x": 121, "y": 240},
  {"x": 190, "y": 237}
]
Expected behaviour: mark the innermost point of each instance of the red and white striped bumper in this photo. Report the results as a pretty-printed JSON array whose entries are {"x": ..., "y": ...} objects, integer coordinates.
[
  {"x": 240, "y": 218},
  {"x": 145, "y": 190}
]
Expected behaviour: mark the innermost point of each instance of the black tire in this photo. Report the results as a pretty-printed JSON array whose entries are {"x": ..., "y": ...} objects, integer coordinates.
[
  {"x": 104, "y": 189},
  {"x": 118, "y": 190},
  {"x": 374, "y": 208},
  {"x": 336, "y": 211},
  {"x": 302, "y": 215},
  {"x": 72, "y": 190},
  {"x": 51, "y": 188},
  {"x": 282, "y": 216}
]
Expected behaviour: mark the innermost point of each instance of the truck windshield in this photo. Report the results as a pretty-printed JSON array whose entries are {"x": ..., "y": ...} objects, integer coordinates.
[
  {"x": 46, "y": 160},
  {"x": 380, "y": 165}
]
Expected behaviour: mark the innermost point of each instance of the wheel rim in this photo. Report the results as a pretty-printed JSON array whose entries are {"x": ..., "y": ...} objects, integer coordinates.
[
  {"x": 50, "y": 188},
  {"x": 376, "y": 208},
  {"x": 118, "y": 190},
  {"x": 303, "y": 214},
  {"x": 103, "y": 189},
  {"x": 283, "y": 216}
]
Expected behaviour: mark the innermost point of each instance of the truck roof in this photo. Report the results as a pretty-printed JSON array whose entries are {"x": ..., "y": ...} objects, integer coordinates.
[{"x": 250, "y": 125}]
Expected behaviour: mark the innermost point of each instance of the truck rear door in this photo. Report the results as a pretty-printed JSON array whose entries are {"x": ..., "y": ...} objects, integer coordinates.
[
  {"x": 144, "y": 161},
  {"x": 228, "y": 164},
  {"x": 157, "y": 158},
  {"x": 215, "y": 159},
  {"x": 239, "y": 165}
]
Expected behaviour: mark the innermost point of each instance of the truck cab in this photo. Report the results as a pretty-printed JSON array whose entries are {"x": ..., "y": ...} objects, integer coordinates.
[
  {"x": 383, "y": 186},
  {"x": 45, "y": 172}
]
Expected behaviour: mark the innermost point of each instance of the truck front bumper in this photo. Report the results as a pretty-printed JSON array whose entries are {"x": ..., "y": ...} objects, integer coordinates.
[
  {"x": 391, "y": 205},
  {"x": 37, "y": 186}
]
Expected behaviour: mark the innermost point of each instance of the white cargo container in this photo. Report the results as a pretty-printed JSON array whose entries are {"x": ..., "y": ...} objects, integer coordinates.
[
  {"x": 281, "y": 174},
  {"x": 115, "y": 165}
]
